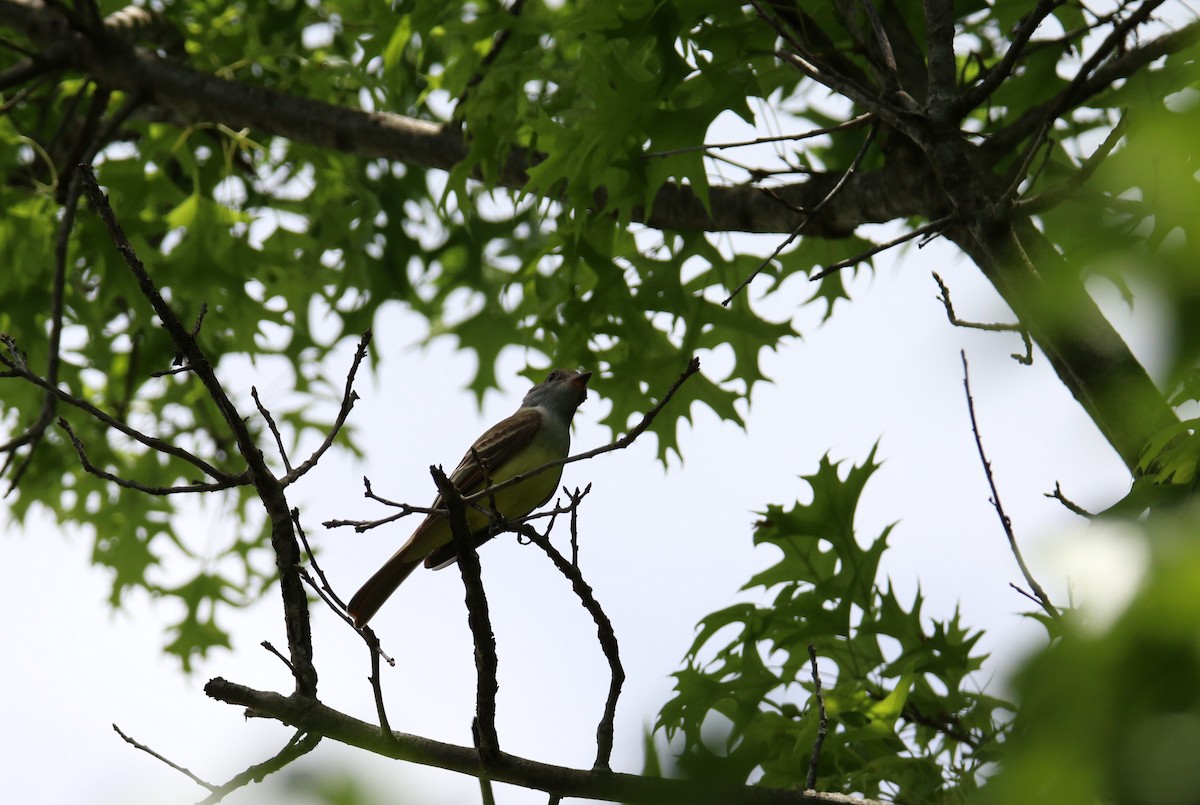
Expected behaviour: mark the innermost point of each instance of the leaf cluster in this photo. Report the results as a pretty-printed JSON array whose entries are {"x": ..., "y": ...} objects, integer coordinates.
[{"x": 905, "y": 718}]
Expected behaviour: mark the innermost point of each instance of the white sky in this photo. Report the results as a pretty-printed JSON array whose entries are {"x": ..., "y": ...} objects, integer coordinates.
[{"x": 661, "y": 550}]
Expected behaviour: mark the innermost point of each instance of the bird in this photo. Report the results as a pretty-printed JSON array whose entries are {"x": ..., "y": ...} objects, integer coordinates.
[{"x": 538, "y": 432}]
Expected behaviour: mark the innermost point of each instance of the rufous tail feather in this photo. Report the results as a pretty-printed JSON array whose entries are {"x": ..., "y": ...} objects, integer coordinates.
[{"x": 377, "y": 589}]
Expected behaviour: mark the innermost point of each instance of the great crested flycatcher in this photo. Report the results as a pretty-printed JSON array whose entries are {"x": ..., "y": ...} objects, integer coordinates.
[{"x": 540, "y": 431}]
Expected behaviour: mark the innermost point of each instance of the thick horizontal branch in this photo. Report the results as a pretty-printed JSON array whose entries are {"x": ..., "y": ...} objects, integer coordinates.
[
  {"x": 196, "y": 96},
  {"x": 314, "y": 717}
]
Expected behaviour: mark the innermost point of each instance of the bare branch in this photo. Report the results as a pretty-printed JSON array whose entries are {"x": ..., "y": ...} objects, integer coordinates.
[
  {"x": 852, "y": 123},
  {"x": 1050, "y": 198},
  {"x": 269, "y": 488},
  {"x": 993, "y": 78},
  {"x": 349, "y": 397},
  {"x": 142, "y": 747},
  {"x": 297, "y": 746},
  {"x": 140, "y": 487},
  {"x": 1026, "y": 359},
  {"x": 366, "y": 525},
  {"x": 604, "y": 629},
  {"x": 1058, "y": 495},
  {"x": 486, "y": 740},
  {"x": 931, "y": 228},
  {"x": 1042, "y": 599},
  {"x": 808, "y": 215},
  {"x": 316, "y": 718},
  {"x": 74, "y": 189},
  {"x": 270, "y": 647},
  {"x": 891, "y": 73},
  {"x": 262, "y": 410},
  {"x": 159, "y": 445}
]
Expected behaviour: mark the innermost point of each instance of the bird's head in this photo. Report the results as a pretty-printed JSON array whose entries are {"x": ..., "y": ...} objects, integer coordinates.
[{"x": 563, "y": 390}]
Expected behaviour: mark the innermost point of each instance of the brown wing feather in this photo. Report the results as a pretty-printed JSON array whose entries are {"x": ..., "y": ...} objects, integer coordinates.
[
  {"x": 492, "y": 448},
  {"x": 501, "y": 441}
]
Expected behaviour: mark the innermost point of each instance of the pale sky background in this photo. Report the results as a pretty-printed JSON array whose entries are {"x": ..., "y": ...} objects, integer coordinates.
[{"x": 661, "y": 548}]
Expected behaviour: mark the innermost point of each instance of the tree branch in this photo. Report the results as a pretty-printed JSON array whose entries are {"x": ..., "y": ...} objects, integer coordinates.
[
  {"x": 604, "y": 631},
  {"x": 270, "y": 490},
  {"x": 1039, "y": 593},
  {"x": 480, "y": 622},
  {"x": 315, "y": 718}
]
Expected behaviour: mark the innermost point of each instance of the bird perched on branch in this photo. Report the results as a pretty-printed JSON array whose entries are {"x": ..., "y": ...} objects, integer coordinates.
[{"x": 539, "y": 431}]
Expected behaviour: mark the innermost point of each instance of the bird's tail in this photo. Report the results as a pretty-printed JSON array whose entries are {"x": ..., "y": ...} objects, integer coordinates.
[{"x": 377, "y": 589}]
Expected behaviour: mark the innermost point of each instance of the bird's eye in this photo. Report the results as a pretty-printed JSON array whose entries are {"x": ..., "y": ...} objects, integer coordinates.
[{"x": 555, "y": 375}]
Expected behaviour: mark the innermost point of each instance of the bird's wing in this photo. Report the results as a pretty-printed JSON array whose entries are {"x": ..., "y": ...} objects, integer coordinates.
[{"x": 493, "y": 448}]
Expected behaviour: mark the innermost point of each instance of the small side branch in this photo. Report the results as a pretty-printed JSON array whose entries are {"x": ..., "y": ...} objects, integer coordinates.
[
  {"x": 299, "y": 745},
  {"x": 932, "y": 229},
  {"x": 810, "y": 214},
  {"x": 852, "y": 123},
  {"x": 1026, "y": 359},
  {"x": 1071, "y": 505},
  {"x": 1052, "y": 197},
  {"x": 182, "y": 770},
  {"x": 1039, "y": 594},
  {"x": 17, "y": 368},
  {"x": 91, "y": 468},
  {"x": 349, "y": 397},
  {"x": 604, "y": 631}
]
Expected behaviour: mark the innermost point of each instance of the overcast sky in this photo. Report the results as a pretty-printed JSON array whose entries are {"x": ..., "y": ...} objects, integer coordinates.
[{"x": 661, "y": 548}]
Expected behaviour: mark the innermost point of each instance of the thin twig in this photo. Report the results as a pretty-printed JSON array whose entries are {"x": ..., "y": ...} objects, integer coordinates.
[
  {"x": 312, "y": 558},
  {"x": 262, "y": 409},
  {"x": 349, "y": 397},
  {"x": 805, "y": 62},
  {"x": 931, "y": 227},
  {"x": 810, "y": 214},
  {"x": 34, "y": 433},
  {"x": 366, "y": 525},
  {"x": 91, "y": 468},
  {"x": 1111, "y": 44},
  {"x": 822, "y": 721},
  {"x": 159, "y": 445},
  {"x": 186, "y": 772},
  {"x": 1026, "y": 359},
  {"x": 499, "y": 40},
  {"x": 1072, "y": 506},
  {"x": 1053, "y": 196},
  {"x": 376, "y": 679},
  {"x": 993, "y": 78},
  {"x": 852, "y": 123},
  {"x": 300, "y": 744},
  {"x": 1042, "y": 599},
  {"x": 891, "y": 72},
  {"x": 269, "y": 646},
  {"x": 1022, "y": 169}
]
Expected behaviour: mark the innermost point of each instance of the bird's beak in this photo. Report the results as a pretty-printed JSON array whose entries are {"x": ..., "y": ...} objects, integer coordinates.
[{"x": 579, "y": 382}]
